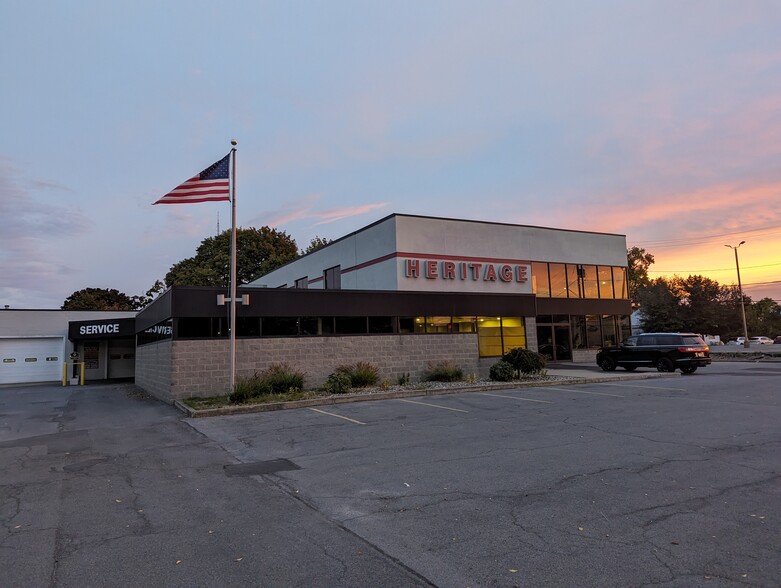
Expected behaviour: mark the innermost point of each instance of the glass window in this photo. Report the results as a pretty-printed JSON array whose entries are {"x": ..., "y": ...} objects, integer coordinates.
[
  {"x": 437, "y": 324},
  {"x": 9, "y": 360},
  {"x": 310, "y": 326},
  {"x": 406, "y": 324},
  {"x": 590, "y": 289},
  {"x": 128, "y": 355},
  {"x": 619, "y": 283},
  {"x": 351, "y": 325},
  {"x": 283, "y": 326},
  {"x": 489, "y": 336},
  {"x": 332, "y": 278},
  {"x": 624, "y": 323},
  {"x": 593, "y": 331},
  {"x": 558, "y": 280},
  {"x": 609, "y": 334},
  {"x": 573, "y": 284},
  {"x": 464, "y": 324},
  {"x": 540, "y": 283},
  {"x": 513, "y": 333},
  {"x": 52, "y": 358},
  {"x": 201, "y": 327},
  {"x": 302, "y": 283},
  {"x": 630, "y": 342},
  {"x": 605, "y": 282},
  {"x": 247, "y": 326},
  {"x": 380, "y": 324},
  {"x": 30, "y": 359},
  {"x": 578, "y": 327}
]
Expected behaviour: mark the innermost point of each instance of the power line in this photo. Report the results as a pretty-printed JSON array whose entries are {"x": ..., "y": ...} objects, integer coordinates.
[
  {"x": 721, "y": 269},
  {"x": 670, "y": 242}
]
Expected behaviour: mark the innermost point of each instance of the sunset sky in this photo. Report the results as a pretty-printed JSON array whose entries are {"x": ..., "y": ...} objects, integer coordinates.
[{"x": 660, "y": 120}]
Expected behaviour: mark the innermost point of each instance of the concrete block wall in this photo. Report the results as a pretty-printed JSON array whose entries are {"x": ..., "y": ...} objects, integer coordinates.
[
  {"x": 200, "y": 368},
  {"x": 153, "y": 369}
]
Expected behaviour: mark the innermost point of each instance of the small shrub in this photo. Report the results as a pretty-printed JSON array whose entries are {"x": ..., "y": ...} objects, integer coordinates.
[
  {"x": 443, "y": 371},
  {"x": 525, "y": 361},
  {"x": 363, "y": 374},
  {"x": 246, "y": 388},
  {"x": 501, "y": 371},
  {"x": 337, "y": 383},
  {"x": 471, "y": 378},
  {"x": 403, "y": 379},
  {"x": 385, "y": 384},
  {"x": 281, "y": 378}
]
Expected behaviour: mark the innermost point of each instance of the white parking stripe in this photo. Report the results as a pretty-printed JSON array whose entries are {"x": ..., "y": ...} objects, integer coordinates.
[
  {"x": 646, "y": 387},
  {"x": 582, "y": 392},
  {"x": 434, "y": 405},
  {"x": 337, "y": 416},
  {"x": 515, "y": 397}
]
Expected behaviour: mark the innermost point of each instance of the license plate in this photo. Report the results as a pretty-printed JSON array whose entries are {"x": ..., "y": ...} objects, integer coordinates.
[{"x": 699, "y": 354}]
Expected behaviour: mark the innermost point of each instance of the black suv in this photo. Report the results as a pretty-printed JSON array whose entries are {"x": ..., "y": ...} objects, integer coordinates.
[{"x": 664, "y": 351}]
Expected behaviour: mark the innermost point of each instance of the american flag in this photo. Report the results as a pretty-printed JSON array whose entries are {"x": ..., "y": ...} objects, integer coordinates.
[{"x": 211, "y": 185}]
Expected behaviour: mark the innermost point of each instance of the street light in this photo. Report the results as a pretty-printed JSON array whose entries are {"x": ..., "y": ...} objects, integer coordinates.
[{"x": 746, "y": 344}]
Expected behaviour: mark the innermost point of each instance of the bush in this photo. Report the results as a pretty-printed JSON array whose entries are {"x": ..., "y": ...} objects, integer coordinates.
[
  {"x": 247, "y": 388},
  {"x": 281, "y": 378},
  {"x": 525, "y": 361},
  {"x": 443, "y": 371},
  {"x": 361, "y": 374},
  {"x": 337, "y": 383},
  {"x": 502, "y": 371},
  {"x": 403, "y": 379}
]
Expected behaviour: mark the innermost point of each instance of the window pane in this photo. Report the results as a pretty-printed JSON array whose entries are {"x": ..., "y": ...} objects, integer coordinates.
[
  {"x": 624, "y": 323},
  {"x": 406, "y": 324},
  {"x": 380, "y": 324},
  {"x": 513, "y": 333},
  {"x": 464, "y": 324},
  {"x": 437, "y": 324},
  {"x": 593, "y": 331},
  {"x": 609, "y": 335},
  {"x": 247, "y": 326},
  {"x": 605, "y": 282},
  {"x": 558, "y": 280},
  {"x": 350, "y": 325},
  {"x": 578, "y": 326},
  {"x": 590, "y": 289},
  {"x": 540, "y": 285},
  {"x": 489, "y": 336},
  {"x": 619, "y": 283},
  {"x": 573, "y": 287},
  {"x": 279, "y": 326},
  {"x": 310, "y": 326}
]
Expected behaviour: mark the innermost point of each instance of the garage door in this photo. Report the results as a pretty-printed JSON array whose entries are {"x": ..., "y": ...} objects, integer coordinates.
[{"x": 31, "y": 360}]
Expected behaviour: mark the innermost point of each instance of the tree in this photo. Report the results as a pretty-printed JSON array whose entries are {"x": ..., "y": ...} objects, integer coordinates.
[
  {"x": 638, "y": 262},
  {"x": 661, "y": 308},
  {"x": 316, "y": 243},
  {"x": 100, "y": 299},
  {"x": 702, "y": 303},
  {"x": 258, "y": 252},
  {"x": 153, "y": 292},
  {"x": 764, "y": 318}
]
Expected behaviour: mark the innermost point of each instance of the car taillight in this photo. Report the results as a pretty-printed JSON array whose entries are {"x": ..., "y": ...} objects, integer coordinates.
[{"x": 693, "y": 349}]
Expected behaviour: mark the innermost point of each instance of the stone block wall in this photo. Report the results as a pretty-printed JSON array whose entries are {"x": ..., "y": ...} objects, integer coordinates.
[
  {"x": 153, "y": 369},
  {"x": 201, "y": 368}
]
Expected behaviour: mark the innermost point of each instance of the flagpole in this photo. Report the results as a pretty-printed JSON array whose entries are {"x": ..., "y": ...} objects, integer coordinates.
[{"x": 232, "y": 334}]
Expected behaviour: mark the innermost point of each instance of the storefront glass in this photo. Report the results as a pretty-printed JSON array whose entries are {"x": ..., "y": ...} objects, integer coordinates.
[
  {"x": 540, "y": 284},
  {"x": 558, "y": 280}
]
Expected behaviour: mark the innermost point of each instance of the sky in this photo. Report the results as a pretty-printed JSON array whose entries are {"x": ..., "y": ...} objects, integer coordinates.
[{"x": 659, "y": 120}]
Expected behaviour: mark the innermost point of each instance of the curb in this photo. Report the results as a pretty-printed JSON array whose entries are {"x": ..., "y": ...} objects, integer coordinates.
[{"x": 349, "y": 398}]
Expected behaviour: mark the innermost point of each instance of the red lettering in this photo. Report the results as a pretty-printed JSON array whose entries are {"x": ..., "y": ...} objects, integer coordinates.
[
  {"x": 448, "y": 270},
  {"x": 463, "y": 270},
  {"x": 431, "y": 269},
  {"x": 490, "y": 273},
  {"x": 413, "y": 268},
  {"x": 475, "y": 267},
  {"x": 506, "y": 273},
  {"x": 520, "y": 273}
]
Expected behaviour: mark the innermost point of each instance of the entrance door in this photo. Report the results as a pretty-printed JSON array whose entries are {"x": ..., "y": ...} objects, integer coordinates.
[{"x": 553, "y": 341}]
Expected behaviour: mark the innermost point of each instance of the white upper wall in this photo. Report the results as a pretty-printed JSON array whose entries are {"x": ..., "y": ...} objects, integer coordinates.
[
  {"x": 50, "y": 323},
  {"x": 480, "y": 256}
]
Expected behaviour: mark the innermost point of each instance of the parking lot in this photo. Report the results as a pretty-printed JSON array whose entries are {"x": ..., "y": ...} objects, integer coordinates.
[{"x": 670, "y": 482}]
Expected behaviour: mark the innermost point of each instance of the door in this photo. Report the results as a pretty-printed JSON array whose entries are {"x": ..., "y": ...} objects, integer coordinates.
[
  {"x": 553, "y": 341},
  {"x": 25, "y": 360}
]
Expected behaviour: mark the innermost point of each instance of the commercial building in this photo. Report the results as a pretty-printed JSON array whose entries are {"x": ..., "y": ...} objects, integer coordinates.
[{"x": 398, "y": 293}]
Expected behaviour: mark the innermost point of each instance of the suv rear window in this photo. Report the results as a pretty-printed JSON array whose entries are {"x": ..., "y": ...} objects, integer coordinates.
[{"x": 693, "y": 340}]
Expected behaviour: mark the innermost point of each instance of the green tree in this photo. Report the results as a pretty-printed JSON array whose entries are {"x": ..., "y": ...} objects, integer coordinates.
[
  {"x": 100, "y": 299},
  {"x": 153, "y": 292},
  {"x": 638, "y": 262},
  {"x": 660, "y": 307},
  {"x": 258, "y": 252},
  {"x": 315, "y": 244},
  {"x": 764, "y": 318},
  {"x": 702, "y": 303}
]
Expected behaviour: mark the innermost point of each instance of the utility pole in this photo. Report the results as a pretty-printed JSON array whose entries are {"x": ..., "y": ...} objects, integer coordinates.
[{"x": 746, "y": 343}]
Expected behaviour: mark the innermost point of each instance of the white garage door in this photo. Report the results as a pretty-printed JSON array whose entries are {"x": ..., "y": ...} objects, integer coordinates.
[{"x": 31, "y": 360}]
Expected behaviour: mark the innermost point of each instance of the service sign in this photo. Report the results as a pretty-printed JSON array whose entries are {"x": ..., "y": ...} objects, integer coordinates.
[{"x": 102, "y": 329}]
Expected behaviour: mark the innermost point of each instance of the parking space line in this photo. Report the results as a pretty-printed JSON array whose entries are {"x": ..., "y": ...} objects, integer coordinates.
[
  {"x": 646, "y": 387},
  {"x": 515, "y": 397},
  {"x": 434, "y": 405},
  {"x": 337, "y": 416},
  {"x": 582, "y": 392}
]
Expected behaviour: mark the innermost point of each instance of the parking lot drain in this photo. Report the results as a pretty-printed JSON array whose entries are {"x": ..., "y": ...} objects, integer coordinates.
[{"x": 260, "y": 468}]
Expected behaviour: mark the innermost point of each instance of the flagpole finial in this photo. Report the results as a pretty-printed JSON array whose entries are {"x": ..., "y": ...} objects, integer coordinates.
[{"x": 234, "y": 142}]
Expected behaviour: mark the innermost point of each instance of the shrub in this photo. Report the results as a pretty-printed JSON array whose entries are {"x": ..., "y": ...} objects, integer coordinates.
[
  {"x": 525, "y": 361},
  {"x": 403, "y": 379},
  {"x": 443, "y": 371},
  {"x": 337, "y": 383},
  {"x": 246, "y": 388},
  {"x": 502, "y": 371},
  {"x": 361, "y": 374},
  {"x": 281, "y": 378}
]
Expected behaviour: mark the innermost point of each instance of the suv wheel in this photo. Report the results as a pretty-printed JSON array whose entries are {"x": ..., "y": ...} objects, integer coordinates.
[
  {"x": 689, "y": 369},
  {"x": 665, "y": 364},
  {"x": 608, "y": 364}
]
